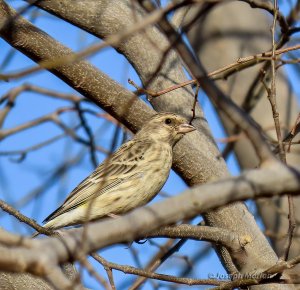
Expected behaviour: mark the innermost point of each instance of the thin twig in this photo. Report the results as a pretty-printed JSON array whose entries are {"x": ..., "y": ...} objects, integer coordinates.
[
  {"x": 94, "y": 273},
  {"x": 252, "y": 97},
  {"x": 25, "y": 151},
  {"x": 135, "y": 271},
  {"x": 222, "y": 73},
  {"x": 24, "y": 219},
  {"x": 272, "y": 91},
  {"x": 288, "y": 140},
  {"x": 89, "y": 133},
  {"x": 272, "y": 99},
  {"x": 153, "y": 264},
  {"x": 110, "y": 277}
]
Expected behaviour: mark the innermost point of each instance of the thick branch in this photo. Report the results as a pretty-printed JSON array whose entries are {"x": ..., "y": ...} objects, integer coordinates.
[
  {"x": 214, "y": 235},
  {"x": 200, "y": 199},
  {"x": 141, "y": 222},
  {"x": 82, "y": 76}
]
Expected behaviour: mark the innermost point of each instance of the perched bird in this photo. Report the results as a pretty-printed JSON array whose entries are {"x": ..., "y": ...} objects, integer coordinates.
[{"x": 129, "y": 178}]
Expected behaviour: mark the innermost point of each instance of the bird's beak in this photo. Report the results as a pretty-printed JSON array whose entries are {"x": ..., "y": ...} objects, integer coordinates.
[{"x": 185, "y": 128}]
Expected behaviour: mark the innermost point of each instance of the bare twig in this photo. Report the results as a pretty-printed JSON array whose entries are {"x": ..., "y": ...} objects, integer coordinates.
[
  {"x": 153, "y": 264},
  {"x": 94, "y": 273},
  {"x": 252, "y": 97},
  {"x": 295, "y": 130},
  {"x": 110, "y": 277},
  {"x": 52, "y": 117},
  {"x": 135, "y": 271},
  {"x": 272, "y": 99},
  {"x": 222, "y": 73},
  {"x": 25, "y": 151},
  {"x": 272, "y": 91},
  {"x": 24, "y": 219},
  {"x": 89, "y": 132}
]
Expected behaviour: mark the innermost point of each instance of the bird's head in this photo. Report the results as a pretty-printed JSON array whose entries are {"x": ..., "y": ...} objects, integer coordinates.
[{"x": 166, "y": 127}]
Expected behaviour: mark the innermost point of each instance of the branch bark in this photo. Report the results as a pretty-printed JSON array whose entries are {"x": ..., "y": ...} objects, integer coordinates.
[{"x": 142, "y": 222}]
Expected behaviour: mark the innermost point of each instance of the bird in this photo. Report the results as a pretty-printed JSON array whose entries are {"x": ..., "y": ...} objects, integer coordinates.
[{"x": 129, "y": 178}]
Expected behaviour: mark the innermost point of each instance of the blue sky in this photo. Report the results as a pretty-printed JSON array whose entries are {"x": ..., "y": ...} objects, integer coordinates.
[{"x": 17, "y": 180}]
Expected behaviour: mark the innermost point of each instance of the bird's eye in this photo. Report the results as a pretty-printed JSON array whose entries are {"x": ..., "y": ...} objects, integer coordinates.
[{"x": 168, "y": 121}]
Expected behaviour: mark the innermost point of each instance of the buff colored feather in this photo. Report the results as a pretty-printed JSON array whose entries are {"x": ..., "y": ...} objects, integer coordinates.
[{"x": 129, "y": 178}]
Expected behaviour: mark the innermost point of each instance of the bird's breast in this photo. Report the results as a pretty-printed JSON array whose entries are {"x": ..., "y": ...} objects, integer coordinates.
[
  {"x": 151, "y": 173},
  {"x": 157, "y": 168}
]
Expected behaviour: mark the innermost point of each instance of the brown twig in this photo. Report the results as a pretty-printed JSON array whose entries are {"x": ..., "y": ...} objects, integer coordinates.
[
  {"x": 222, "y": 73},
  {"x": 272, "y": 100},
  {"x": 186, "y": 232},
  {"x": 24, "y": 219},
  {"x": 94, "y": 273},
  {"x": 285, "y": 62},
  {"x": 110, "y": 277},
  {"x": 283, "y": 265},
  {"x": 52, "y": 117},
  {"x": 153, "y": 264},
  {"x": 168, "y": 278},
  {"x": 25, "y": 151},
  {"x": 272, "y": 91},
  {"x": 89, "y": 133},
  {"x": 295, "y": 130},
  {"x": 290, "y": 136},
  {"x": 252, "y": 97},
  {"x": 12, "y": 94},
  {"x": 230, "y": 139}
]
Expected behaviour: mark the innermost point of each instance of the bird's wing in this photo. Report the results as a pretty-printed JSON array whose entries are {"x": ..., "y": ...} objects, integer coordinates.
[{"x": 120, "y": 167}]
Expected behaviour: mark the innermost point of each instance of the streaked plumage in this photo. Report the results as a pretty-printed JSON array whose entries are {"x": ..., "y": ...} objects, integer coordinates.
[{"x": 129, "y": 178}]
